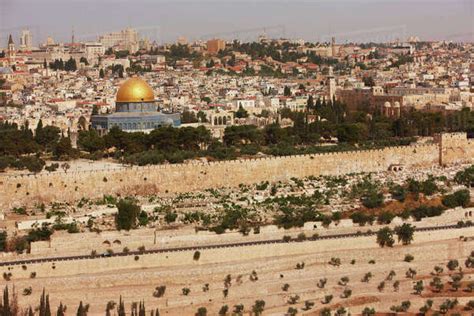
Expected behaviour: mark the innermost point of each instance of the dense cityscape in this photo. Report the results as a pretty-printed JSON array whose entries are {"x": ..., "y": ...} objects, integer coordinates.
[{"x": 275, "y": 176}]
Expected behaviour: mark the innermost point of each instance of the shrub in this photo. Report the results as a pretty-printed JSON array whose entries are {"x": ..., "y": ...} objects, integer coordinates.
[
  {"x": 327, "y": 299},
  {"x": 185, "y": 291},
  {"x": 223, "y": 311},
  {"x": 465, "y": 177},
  {"x": 126, "y": 217},
  {"x": 408, "y": 258},
  {"x": 452, "y": 264},
  {"x": 301, "y": 237},
  {"x": 385, "y": 217},
  {"x": 458, "y": 198},
  {"x": 361, "y": 218},
  {"x": 159, "y": 291},
  {"x": 202, "y": 311},
  {"x": 196, "y": 255},
  {"x": 398, "y": 193},
  {"x": 170, "y": 217},
  {"x": 373, "y": 199}
]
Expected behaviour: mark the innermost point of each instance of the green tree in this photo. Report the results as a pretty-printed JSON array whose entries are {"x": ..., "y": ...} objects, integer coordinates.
[
  {"x": 126, "y": 217},
  {"x": 458, "y": 198},
  {"x": 258, "y": 307},
  {"x": 90, "y": 141},
  {"x": 82, "y": 310},
  {"x": 368, "y": 311},
  {"x": 405, "y": 233},
  {"x": 61, "y": 310},
  {"x": 70, "y": 65},
  {"x": 241, "y": 112},
  {"x": 3, "y": 241},
  {"x": 63, "y": 149},
  {"x": 465, "y": 177},
  {"x": 418, "y": 287},
  {"x": 385, "y": 237},
  {"x": 202, "y": 311}
]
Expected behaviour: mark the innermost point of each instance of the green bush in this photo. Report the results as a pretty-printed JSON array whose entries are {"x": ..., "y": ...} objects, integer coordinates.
[
  {"x": 127, "y": 214},
  {"x": 373, "y": 199},
  {"x": 465, "y": 177},
  {"x": 398, "y": 193},
  {"x": 458, "y": 198}
]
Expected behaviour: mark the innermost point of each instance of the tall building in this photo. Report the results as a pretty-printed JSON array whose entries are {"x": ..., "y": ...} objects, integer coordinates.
[
  {"x": 182, "y": 40},
  {"x": 93, "y": 51},
  {"x": 333, "y": 47},
  {"x": 26, "y": 40},
  {"x": 49, "y": 41},
  {"x": 331, "y": 83},
  {"x": 215, "y": 45},
  {"x": 123, "y": 40}
]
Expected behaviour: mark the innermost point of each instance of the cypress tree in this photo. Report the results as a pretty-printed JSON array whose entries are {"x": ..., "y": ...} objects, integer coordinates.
[
  {"x": 61, "y": 310},
  {"x": 81, "y": 311},
  {"x": 47, "y": 310},
  {"x": 6, "y": 303},
  {"x": 42, "y": 307},
  {"x": 142, "y": 309},
  {"x": 121, "y": 307}
]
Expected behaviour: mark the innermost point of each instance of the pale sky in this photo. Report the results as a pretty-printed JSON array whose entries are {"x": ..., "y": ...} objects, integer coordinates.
[{"x": 312, "y": 20}]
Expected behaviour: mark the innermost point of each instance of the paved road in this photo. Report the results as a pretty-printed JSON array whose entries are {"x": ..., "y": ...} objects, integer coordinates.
[{"x": 204, "y": 247}]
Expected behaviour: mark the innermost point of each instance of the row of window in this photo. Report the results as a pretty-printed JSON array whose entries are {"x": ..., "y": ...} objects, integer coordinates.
[
  {"x": 222, "y": 120},
  {"x": 136, "y": 125}
]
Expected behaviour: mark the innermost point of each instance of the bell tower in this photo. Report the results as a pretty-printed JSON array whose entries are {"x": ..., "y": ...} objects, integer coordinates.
[{"x": 11, "y": 50}]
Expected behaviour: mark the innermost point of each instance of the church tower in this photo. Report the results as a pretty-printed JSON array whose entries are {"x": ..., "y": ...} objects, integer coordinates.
[{"x": 11, "y": 50}]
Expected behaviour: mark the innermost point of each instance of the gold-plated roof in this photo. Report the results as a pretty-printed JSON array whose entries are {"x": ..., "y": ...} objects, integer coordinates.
[{"x": 135, "y": 90}]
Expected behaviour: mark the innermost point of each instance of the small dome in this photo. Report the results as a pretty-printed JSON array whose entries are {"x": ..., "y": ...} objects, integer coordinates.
[
  {"x": 387, "y": 104},
  {"x": 135, "y": 90},
  {"x": 396, "y": 104}
]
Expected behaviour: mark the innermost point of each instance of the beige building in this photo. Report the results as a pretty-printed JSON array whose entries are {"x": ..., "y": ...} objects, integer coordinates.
[
  {"x": 123, "y": 40},
  {"x": 215, "y": 45},
  {"x": 26, "y": 40}
]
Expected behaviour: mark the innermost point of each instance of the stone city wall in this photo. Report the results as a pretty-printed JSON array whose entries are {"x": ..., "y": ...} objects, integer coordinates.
[
  {"x": 72, "y": 186},
  {"x": 365, "y": 245},
  {"x": 62, "y": 243}
]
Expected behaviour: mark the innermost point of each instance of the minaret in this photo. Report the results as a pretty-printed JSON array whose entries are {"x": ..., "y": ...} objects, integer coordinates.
[
  {"x": 331, "y": 83},
  {"x": 333, "y": 47}
]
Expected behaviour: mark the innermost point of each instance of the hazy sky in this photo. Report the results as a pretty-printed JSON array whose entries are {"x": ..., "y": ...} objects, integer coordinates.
[{"x": 165, "y": 20}]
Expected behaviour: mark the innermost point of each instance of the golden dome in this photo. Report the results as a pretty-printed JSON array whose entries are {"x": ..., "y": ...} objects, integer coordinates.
[{"x": 135, "y": 90}]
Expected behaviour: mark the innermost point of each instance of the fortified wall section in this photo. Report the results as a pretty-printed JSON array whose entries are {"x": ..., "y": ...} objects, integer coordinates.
[
  {"x": 62, "y": 243},
  {"x": 455, "y": 148},
  {"x": 364, "y": 245},
  {"x": 72, "y": 186}
]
